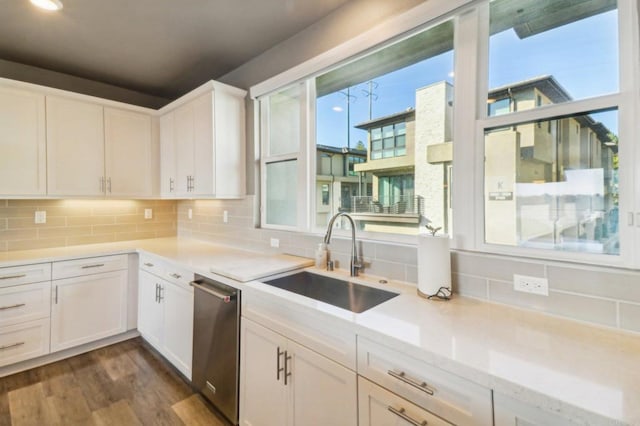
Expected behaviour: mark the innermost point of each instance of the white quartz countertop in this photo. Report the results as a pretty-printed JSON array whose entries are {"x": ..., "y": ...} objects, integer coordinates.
[{"x": 588, "y": 373}]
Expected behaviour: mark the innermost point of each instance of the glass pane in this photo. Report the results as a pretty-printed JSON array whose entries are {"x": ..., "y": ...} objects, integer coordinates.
[
  {"x": 282, "y": 187},
  {"x": 565, "y": 49},
  {"x": 400, "y": 94},
  {"x": 284, "y": 121},
  {"x": 553, "y": 187}
]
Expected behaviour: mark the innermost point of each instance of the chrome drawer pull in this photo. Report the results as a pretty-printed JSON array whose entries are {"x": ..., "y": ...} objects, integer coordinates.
[
  {"x": 401, "y": 413},
  {"x": 176, "y": 276},
  {"x": 10, "y": 277},
  {"x": 408, "y": 380},
  {"x": 148, "y": 264},
  {"x": 4, "y": 308},
  {"x": 278, "y": 368},
  {"x": 11, "y": 346},
  {"x": 287, "y": 372},
  {"x": 97, "y": 265}
]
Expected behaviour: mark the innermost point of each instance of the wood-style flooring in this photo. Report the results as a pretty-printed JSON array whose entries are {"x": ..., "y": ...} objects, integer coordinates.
[{"x": 124, "y": 384}]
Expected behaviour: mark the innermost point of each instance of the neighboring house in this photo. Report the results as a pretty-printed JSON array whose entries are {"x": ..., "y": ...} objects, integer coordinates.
[
  {"x": 336, "y": 180},
  {"x": 410, "y": 157}
]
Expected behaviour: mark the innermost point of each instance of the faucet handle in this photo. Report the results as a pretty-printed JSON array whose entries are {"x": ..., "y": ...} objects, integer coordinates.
[{"x": 329, "y": 265}]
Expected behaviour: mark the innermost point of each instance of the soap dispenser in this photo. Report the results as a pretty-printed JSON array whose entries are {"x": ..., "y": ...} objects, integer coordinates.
[{"x": 321, "y": 256}]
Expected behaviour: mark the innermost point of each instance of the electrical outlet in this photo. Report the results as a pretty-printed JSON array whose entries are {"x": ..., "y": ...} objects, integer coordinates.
[
  {"x": 41, "y": 217},
  {"x": 225, "y": 216},
  {"x": 275, "y": 242},
  {"x": 190, "y": 213},
  {"x": 535, "y": 285},
  {"x": 148, "y": 213}
]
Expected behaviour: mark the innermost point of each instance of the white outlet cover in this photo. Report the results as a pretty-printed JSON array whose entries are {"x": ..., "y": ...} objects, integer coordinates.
[
  {"x": 148, "y": 213},
  {"x": 190, "y": 213},
  {"x": 41, "y": 216},
  {"x": 533, "y": 285},
  {"x": 225, "y": 216},
  {"x": 275, "y": 242}
]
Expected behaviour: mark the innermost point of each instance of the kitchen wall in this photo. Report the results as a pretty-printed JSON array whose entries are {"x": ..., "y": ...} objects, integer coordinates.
[
  {"x": 605, "y": 296},
  {"x": 73, "y": 222}
]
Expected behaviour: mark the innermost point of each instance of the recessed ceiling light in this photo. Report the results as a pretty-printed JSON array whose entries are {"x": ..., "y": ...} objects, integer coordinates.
[{"x": 48, "y": 4}]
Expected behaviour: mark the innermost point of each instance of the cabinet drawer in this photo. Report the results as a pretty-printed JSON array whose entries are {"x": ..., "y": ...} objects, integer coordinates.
[
  {"x": 151, "y": 265},
  {"x": 179, "y": 276},
  {"x": 451, "y": 397},
  {"x": 379, "y": 407},
  {"x": 88, "y": 266},
  {"x": 24, "y": 303},
  {"x": 25, "y": 274},
  {"x": 24, "y": 341}
]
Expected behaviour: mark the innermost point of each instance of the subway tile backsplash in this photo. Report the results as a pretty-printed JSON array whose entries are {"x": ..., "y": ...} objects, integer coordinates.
[
  {"x": 74, "y": 222},
  {"x": 599, "y": 295}
]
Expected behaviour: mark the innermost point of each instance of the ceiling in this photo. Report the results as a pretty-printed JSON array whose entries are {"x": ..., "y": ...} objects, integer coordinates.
[{"x": 162, "y": 48}]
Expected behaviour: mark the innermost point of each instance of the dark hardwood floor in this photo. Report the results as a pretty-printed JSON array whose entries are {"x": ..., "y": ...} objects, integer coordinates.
[{"x": 124, "y": 384}]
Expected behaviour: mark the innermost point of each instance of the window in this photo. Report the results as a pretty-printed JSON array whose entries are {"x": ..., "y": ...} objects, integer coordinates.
[
  {"x": 557, "y": 188},
  {"x": 388, "y": 141}
]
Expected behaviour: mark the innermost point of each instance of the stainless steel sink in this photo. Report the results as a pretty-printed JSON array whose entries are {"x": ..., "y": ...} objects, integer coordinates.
[{"x": 343, "y": 294}]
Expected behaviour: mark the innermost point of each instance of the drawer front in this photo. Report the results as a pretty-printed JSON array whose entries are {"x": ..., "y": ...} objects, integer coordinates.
[
  {"x": 88, "y": 266},
  {"x": 379, "y": 407},
  {"x": 449, "y": 396},
  {"x": 25, "y": 274},
  {"x": 178, "y": 276},
  {"x": 152, "y": 265},
  {"x": 24, "y": 303},
  {"x": 24, "y": 341}
]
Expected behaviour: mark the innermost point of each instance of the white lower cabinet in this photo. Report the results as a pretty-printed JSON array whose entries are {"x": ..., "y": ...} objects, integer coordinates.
[
  {"x": 509, "y": 412},
  {"x": 24, "y": 341},
  {"x": 88, "y": 308},
  {"x": 284, "y": 383},
  {"x": 165, "y": 316}
]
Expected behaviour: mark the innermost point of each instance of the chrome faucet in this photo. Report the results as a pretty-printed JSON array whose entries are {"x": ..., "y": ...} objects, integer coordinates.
[{"x": 354, "y": 265}]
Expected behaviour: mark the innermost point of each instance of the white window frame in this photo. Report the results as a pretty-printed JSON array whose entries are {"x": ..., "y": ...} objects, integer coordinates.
[{"x": 471, "y": 47}]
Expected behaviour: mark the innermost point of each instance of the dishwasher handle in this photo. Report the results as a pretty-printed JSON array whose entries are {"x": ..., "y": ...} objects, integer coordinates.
[{"x": 225, "y": 297}]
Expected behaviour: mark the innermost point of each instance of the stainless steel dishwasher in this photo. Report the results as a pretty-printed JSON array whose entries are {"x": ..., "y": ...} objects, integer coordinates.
[{"x": 216, "y": 343}]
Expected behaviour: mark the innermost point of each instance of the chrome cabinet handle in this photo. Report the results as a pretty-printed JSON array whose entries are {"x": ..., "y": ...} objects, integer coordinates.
[
  {"x": 109, "y": 185},
  {"x": 157, "y": 293},
  {"x": 278, "y": 368},
  {"x": 287, "y": 373},
  {"x": 97, "y": 265},
  {"x": 56, "y": 296},
  {"x": 401, "y": 413},
  {"x": 4, "y": 308},
  {"x": 171, "y": 184},
  {"x": 148, "y": 264},
  {"x": 160, "y": 290},
  {"x": 12, "y": 345},
  {"x": 412, "y": 382},
  {"x": 176, "y": 276},
  {"x": 101, "y": 183},
  {"x": 188, "y": 183},
  {"x": 10, "y": 277}
]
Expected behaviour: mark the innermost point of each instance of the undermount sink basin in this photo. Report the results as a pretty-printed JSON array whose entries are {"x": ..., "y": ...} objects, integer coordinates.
[{"x": 343, "y": 294}]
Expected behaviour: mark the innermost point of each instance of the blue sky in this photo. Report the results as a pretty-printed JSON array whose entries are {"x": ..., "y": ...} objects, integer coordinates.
[{"x": 583, "y": 59}]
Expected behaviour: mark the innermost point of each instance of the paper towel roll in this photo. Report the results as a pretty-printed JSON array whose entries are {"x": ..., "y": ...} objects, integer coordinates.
[{"x": 434, "y": 264}]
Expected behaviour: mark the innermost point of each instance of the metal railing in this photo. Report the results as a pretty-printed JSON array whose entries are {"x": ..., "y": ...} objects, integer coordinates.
[{"x": 403, "y": 204}]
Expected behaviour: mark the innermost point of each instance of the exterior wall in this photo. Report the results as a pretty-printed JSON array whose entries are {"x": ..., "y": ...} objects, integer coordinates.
[
  {"x": 73, "y": 222},
  {"x": 433, "y": 126}
]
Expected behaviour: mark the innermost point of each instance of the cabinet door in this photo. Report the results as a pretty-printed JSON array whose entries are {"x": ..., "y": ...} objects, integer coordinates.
[
  {"x": 321, "y": 392},
  {"x": 23, "y": 147},
  {"x": 75, "y": 148},
  {"x": 149, "y": 309},
  {"x": 204, "y": 165},
  {"x": 509, "y": 412},
  {"x": 263, "y": 396},
  {"x": 178, "y": 326},
  {"x": 379, "y": 407},
  {"x": 183, "y": 121},
  {"x": 230, "y": 145},
  {"x": 167, "y": 156},
  {"x": 88, "y": 308},
  {"x": 127, "y": 153}
]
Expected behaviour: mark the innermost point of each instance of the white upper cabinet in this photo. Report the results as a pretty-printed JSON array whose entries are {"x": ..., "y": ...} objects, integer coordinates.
[
  {"x": 127, "y": 153},
  {"x": 203, "y": 144},
  {"x": 22, "y": 143},
  {"x": 75, "y": 148}
]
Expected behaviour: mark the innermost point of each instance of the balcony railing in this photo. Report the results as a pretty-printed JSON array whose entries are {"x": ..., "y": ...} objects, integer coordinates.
[{"x": 402, "y": 205}]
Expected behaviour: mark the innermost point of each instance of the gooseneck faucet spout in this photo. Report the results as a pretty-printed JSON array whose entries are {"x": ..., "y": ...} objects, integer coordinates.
[{"x": 354, "y": 265}]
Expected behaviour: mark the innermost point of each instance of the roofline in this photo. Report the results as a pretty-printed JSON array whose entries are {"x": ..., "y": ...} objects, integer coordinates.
[
  {"x": 386, "y": 119},
  {"x": 340, "y": 150}
]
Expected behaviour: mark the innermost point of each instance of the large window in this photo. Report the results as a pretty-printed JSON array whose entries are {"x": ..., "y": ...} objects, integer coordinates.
[
  {"x": 552, "y": 182},
  {"x": 537, "y": 101}
]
